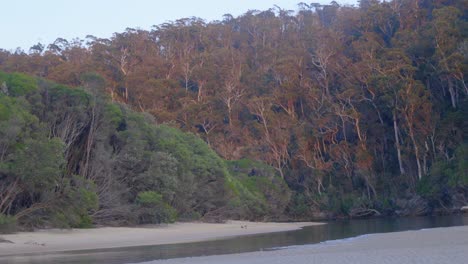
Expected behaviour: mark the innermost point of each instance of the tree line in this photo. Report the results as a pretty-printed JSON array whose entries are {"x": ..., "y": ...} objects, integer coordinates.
[{"x": 358, "y": 109}]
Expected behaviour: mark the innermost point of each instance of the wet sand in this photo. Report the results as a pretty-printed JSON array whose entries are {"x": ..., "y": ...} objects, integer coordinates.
[
  {"x": 55, "y": 240},
  {"x": 428, "y": 246}
]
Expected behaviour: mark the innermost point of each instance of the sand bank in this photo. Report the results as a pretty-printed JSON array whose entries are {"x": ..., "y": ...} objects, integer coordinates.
[
  {"x": 438, "y": 245},
  {"x": 55, "y": 240}
]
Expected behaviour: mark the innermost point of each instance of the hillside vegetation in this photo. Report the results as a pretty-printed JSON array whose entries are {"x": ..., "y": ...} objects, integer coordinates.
[
  {"x": 70, "y": 158},
  {"x": 331, "y": 111}
]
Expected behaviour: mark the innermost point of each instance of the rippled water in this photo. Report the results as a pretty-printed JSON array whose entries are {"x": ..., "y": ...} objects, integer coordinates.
[{"x": 309, "y": 235}]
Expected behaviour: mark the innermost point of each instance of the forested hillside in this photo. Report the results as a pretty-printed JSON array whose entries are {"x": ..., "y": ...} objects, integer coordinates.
[
  {"x": 360, "y": 110},
  {"x": 71, "y": 158}
]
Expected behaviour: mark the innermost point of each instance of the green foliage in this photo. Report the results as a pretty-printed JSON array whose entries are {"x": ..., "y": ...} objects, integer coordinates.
[
  {"x": 161, "y": 175},
  {"x": 7, "y": 224},
  {"x": 153, "y": 210},
  {"x": 202, "y": 173},
  {"x": 5, "y": 110},
  {"x": 143, "y": 157},
  {"x": 114, "y": 115},
  {"x": 37, "y": 162},
  {"x": 261, "y": 191},
  {"x": 83, "y": 194},
  {"x": 460, "y": 167},
  {"x": 341, "y": 204},
  {"x": 61, "y": 99},
  {"x": 94, "y": 83},
  {"x": 73, "y": 209},
  {"x": 10, "y": 128},
  {"x": 16, "y": 122},
  {"x": 20, "y": 84},
  {"x": 33, "y": 163},
  {"x": 149, "y": 198},
  {"x": 89, "y": 199},
  {"x": 445, "y": 175},
  {"x": 386, "y": 205},
  {"x": 299, "y": 207},
  {"x": 429, "y": 186},
  {"x": 347, "y": 203},
  {"x": 3, "y": 77},
  {"x": 85, "y": 222}
]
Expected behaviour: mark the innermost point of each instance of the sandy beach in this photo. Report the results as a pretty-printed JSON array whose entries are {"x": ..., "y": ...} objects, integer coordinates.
[
  {"x": 437, "y": 246},
  {"x": 55, "y": 240}
]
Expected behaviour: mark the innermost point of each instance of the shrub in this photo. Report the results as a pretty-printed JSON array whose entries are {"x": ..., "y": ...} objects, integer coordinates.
[
  {"x": 298, "y": 207},
  {"x": 153, "y": 210},
  {"x": 85, "y": 221},
  {"x": 7, "y": 224},
  {"x": 261, "y": 192}
]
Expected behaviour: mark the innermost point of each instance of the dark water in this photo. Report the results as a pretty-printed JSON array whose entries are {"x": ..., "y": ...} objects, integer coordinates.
[{"x": 309, "y": 235}]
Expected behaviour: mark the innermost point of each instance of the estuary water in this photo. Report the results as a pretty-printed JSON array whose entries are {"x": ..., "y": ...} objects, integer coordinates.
[{"x": 333, "y": 230}]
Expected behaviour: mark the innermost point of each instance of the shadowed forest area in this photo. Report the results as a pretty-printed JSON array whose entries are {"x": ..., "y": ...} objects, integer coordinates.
[{"x": 332, "y": 111}]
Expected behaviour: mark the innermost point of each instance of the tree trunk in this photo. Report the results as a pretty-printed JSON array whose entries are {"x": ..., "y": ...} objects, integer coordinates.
[
  {"x": 453, "y": 97},
  {"x": 200, "y": 91},
  {"x": 10, "y": 195},
  {"x": 90, "y": 140},
  {"x": 416, "y": 151},
  {"x": 320, "y": 185},
  {"x": 397, "y": 144},
  {"x": 358, "y": 130}
]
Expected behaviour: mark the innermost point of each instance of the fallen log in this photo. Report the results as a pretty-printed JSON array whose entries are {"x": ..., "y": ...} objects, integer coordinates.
[{"x": 363, "y": 212}]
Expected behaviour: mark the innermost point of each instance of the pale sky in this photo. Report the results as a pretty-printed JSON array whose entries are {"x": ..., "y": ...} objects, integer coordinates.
[{"x": 24, "y": 23}]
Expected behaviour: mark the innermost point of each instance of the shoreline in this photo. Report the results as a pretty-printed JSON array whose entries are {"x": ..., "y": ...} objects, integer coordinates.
[
  {"x": 68, "y": 240},
  {"x": 443, "y": 245}
]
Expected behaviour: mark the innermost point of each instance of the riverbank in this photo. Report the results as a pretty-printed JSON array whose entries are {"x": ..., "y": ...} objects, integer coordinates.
[
  {"x": 58, "y": 240},
  {"x": 437, "y": 245}
]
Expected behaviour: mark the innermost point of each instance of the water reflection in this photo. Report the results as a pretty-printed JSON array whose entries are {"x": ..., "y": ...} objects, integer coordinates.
[{"x": 309, "y": 235}]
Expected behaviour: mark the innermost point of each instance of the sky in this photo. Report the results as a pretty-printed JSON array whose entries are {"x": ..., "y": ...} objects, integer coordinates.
[{"x": 24, "y": 23}]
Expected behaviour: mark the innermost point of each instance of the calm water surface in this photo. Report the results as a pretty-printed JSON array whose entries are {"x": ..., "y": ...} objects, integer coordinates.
[{"x": 309, "y": 235}]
